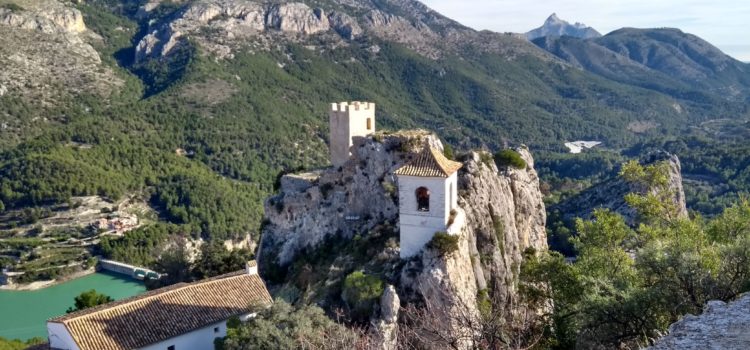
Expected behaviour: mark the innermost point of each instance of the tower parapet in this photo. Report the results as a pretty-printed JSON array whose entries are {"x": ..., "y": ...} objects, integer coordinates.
[{"x": 348, "y": 120}]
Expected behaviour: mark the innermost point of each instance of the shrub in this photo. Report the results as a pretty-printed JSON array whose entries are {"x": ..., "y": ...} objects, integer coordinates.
[
  {"x": 485, "y": 158},
  {"x": 509, "y": 157},
  {"x": 361, "y": 292},
  {"x": 448, "y": 152},
  {"x": 12, "y": 7},
  {"x": 444, "y": 243},
  {"x": 452, "y": 217}
]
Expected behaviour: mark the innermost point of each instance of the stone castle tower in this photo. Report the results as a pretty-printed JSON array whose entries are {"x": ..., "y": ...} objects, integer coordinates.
[
  {"x": 348, "y": 120},
  {"x": 427, "y": 191}
]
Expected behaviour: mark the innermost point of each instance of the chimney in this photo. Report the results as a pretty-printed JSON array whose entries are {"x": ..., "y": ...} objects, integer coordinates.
[{"x": 251, "y": 268}]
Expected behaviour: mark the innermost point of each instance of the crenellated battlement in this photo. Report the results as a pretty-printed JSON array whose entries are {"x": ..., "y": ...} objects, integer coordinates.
[
  {"x": 348, "y": 120},
  {"x": 355, "y": 106}
]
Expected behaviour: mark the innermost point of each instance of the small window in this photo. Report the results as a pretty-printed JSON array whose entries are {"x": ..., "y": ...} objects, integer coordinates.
[
  {"x": 216, "y": 329},
  {"x": 171, "y": 347},
  {"x": 369, "y": 123},
  {"x": 423, "y": 199}
]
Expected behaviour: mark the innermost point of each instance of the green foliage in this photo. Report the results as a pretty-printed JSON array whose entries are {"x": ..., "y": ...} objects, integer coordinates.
[
  {"x": 509, "y": 157},
  {"x": 651, "y": 197},
  {"x": 626, "y": 286},
  {"x": 89, "y": 299},
  {"x": 444, "y": 243},
  {"x": 361, "y": 292},
  {"x": 7, "y": 344},
  {"x": 282, "y": 326},
  {"x": 210, "y": 206},
  {"x": 448, "y": 151},
  {"x": 486, "y": 158},
  {"x": 13, "y": 7},
  {"x": 214, "y": 260}
]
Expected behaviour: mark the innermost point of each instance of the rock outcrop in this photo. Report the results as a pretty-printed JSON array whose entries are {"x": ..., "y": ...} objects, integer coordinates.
[
  {"x": 221, "y": 26},
  {"x": 505, "y": 216},
  {"x": 610, "y": 194},
  {"x": 720, "y": 326},
  {"x": 554, "y": 26},
  {"x": 385, "y": 328},
  {"x": 45, "y": 49},
  {"x": 500, "y": 215}
]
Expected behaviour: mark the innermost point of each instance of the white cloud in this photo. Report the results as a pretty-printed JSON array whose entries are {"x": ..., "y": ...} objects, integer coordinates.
[{"x": 724, "y": 23}]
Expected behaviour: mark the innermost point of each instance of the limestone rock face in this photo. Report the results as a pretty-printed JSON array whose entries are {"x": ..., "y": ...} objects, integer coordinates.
[
  {"x": 337, "y": 202},
  {"x": 223, "y": 26},
  {"x": 385, "y": 330},
  {"x": 345, "y": 25},
  {"x": 50, "y": 17},
  {"x": 500, "y": 215},
  {"x": 505, "y": 215},
  {"x": 610, "y": 194},
  {"x": 45, "y": 52},
  {"x": 721, "y": 326},
  {"x": 297, "y": 18},
  {"x": 232, "y": 21}
]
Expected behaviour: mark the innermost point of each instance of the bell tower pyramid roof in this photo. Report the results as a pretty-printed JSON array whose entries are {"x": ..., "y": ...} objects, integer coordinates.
[{"x": 430, "y": 162}]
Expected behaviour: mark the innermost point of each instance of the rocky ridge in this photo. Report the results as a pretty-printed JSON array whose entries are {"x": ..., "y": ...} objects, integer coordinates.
[
  {"x": 502, "y": 215},
  {"x": 222, "y": 25},
  {"x": 554, "y": 26},
  {"x": 46, "y": 52},
  {"x": 610, "y": 194}
]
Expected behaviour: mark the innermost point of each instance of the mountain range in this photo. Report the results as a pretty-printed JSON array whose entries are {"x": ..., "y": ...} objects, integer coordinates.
[{"x": 199, "y": 105}]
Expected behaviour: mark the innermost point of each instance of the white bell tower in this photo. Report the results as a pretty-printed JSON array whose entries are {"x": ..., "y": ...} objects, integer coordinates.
[
  {"x": 427, "y": 191},
  {"x": 348, "y": 120}
]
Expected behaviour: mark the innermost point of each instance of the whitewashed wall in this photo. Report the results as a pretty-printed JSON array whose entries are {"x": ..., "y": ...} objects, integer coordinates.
[{"x": 417, "y": 227}]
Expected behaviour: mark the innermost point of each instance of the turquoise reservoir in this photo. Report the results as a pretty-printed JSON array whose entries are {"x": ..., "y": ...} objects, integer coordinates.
[{"x": 23, "y": 314}]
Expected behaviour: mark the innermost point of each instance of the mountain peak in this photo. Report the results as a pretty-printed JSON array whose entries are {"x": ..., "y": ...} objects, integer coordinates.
[
  {"x": 554, "y": 26},
  {"x": 553, "y": 18}
]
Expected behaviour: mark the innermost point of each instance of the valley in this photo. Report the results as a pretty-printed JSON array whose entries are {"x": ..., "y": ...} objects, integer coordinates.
[{"x": 166, "y": 134}]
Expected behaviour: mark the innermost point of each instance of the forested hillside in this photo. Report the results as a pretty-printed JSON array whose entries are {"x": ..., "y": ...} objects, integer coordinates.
[{"x": 204, "y": 129}]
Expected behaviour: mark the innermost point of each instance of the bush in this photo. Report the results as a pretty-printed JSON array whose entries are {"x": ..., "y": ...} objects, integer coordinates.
[
  {"x": 509, "y": 157},
  {"x": 448, "y": 152},
  {"x": 283, "y": 326},
  {"x": 12, "y": 7},
  {"x": 444, "y": 243},
  {"x": 361, "y": 292}
]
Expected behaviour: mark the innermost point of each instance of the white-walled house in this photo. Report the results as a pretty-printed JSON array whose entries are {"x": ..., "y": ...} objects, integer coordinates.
[
  {"x": 348, "y": 120},
  {"x": 427, "y": 192},
  {"x": 185, "y": 316}
]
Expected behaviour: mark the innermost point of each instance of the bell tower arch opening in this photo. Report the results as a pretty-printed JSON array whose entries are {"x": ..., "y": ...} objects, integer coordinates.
[{"x": 423, "y": 199}]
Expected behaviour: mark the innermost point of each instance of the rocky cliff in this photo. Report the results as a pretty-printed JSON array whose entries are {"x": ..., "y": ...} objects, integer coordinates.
[
  {"x": 554, "y": 26},
  {"x": 221, "y": 26},
  {"x": 720, "y": 326},
  {"x": 610, "y": 194},
  {"x": 501, "y": 215},
  {"x": 46, "y": 52}
]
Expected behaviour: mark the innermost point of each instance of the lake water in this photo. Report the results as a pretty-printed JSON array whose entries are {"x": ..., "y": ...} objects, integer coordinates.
[{"x": 23, "y": 314}]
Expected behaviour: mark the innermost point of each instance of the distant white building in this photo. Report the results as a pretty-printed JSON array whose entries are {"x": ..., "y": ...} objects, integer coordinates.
[
  {"x": 427, "y": 191},
  {"x": 185, "y": 316},
  {"x": 349, "y": 120}
]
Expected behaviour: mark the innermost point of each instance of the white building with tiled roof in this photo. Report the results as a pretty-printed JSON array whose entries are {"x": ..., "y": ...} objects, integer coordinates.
[
  {"x": 185, "y": 316},
  {"x": 427, "y": 189}
]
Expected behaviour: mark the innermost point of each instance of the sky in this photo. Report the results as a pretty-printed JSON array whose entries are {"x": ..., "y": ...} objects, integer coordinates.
[{"x": 723, "y": 23}]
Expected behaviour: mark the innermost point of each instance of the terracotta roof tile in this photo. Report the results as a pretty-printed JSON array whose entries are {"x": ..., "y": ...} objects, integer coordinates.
[
  {"x": 429, "y": 163},
  {"x": 165, "y": 313}
]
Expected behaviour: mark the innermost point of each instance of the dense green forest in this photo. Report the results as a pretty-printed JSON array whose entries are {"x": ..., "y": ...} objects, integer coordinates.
[
  {"x": 205, "y": 139},
  {"x": 628, "y": 285}
]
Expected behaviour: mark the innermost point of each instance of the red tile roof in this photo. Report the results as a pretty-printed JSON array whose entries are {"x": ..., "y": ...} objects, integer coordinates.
[
  {"x": 429, "y": 163},
  {"x": 165, "y": 313}
]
